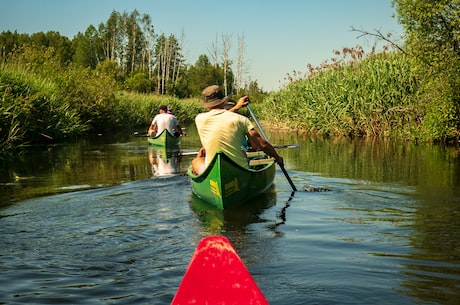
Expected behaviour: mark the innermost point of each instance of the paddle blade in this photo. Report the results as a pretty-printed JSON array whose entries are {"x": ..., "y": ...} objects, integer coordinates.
[{"x": 216, "y": 275}]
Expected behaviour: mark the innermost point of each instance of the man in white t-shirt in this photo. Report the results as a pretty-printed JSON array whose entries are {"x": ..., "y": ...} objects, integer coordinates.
[
  {"x": 164, "y": 120},
  {"x": 222, "y": 130}
]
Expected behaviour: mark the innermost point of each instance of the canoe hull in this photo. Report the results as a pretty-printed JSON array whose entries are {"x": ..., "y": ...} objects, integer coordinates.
[
  {"x": 225, "y": 184},
  {"x": 217, "y": 275},
  {"x": 164, "y": 139}
]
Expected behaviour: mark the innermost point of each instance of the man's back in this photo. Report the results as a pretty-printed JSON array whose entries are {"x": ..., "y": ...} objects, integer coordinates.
[
  {"x": 165, "y": 121},
  {"x": 222, "y": 130}
]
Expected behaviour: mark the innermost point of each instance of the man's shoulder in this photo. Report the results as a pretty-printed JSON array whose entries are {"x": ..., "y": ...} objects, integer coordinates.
[{"x": 166, "y": 116}]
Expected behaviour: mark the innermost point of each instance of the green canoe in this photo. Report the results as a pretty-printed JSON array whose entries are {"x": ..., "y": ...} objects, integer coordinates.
[
  {"x": 164, "y": 139},
  {"x": 226, "y": 184}
]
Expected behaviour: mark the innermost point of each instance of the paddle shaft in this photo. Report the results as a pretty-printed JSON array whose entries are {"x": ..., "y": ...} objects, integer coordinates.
[
  {"x": 140, "y": 134},
  {"x": 189, "y": 153},
  {"x": 266, "y": 139},
  {"x": 144, "y": 133}
]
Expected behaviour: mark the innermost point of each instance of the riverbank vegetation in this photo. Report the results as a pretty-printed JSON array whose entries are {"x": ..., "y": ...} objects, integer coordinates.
[
  {"x": 410, "y": 91},
  {"x": 351, "y": 96},
  {"x": 114, "y": 77},
  {"x": 63, "y": 104}
]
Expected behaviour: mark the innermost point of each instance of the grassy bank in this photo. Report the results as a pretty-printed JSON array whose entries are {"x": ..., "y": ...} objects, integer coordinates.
[
  {"x": 381, "y": 95},
  {"x": 65, "y": 105}
]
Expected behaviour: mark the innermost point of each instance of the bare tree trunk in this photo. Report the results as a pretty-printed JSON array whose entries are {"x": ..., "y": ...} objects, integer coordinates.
[
  {"x": 133, "y": 48},
  {"x": 214, "y": 53},
  {"x": 167, "y": 64},
  {"x": 149, "y": 37},
  {"x": 240, "y": 64},
  {"x": 175, "y": 64},
  {"x": 163, "y": 67},
  {"x": 179, "y": 58},
  {"x": 159, "y": 66},
  {"x": 112, "y": 46},
  {"x": 226, "y": 43},
  {"x": 150, "y": 63}
]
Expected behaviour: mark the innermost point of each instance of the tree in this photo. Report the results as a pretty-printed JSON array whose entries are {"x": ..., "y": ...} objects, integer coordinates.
[
  {"x": 240, "y": 71},
  {"x": 432, "y": 30},
  {"x": 133, "y": 40},
  {"x": 147, "y": 48},
  {"x": 170, "y": 62},
  {"x": 88, "y": 48},
  {"x": 109, "y": 34},
  {"x": 214, "y": 52},
  {"x": 61, "y": 44},
  {"x": 226, "y": 45},
  {"x": 10, "y": 41},
  {"x": 140, "y": 83},
  {"x": 202, "y": 74}
]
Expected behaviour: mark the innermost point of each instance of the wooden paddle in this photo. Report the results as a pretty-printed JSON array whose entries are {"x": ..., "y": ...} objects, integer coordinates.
[
  {"x": 140, "y": 134},
  {"x": 286, "y": 146},
  {"x": 266, "y": 139}
]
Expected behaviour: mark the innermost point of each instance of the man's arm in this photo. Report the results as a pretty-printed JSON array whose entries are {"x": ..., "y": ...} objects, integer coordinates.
[
  {"x": 178, "y": 129},
  {"x": 242, "y": 102},
  {"x": 152, "y": 130},
  {"x": 256, "y": 141}
]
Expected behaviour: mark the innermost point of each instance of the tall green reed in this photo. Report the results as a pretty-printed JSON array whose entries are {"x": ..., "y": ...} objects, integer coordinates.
[
  {"x": 32, "y": 111},
  {"x": 139, "y": 109},
  {"x": 371, "y": 96}
]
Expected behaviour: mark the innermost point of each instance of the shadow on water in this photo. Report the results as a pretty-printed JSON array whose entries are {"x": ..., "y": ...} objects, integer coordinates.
[{"x": 235, "y": 220}]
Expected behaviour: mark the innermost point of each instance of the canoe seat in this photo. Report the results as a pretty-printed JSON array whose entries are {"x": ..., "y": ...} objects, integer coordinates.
[
  {"x": 260, "y": 161},
  {"x": 253, "y": 154}
]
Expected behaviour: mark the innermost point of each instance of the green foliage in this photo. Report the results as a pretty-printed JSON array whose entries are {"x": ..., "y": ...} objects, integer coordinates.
[
  {"x": 139, "y": 82},
  {"x": 139, "y": 109},
  {"x": 32, "y": 112},
  {"x": 372, "y": 97},
  {"x": 110, "y": 69},
  {"x": 60, "y": 44},
  {"x": 121, "y": 47},
  {"x": 45, "y": 101},
  {"x": 203, "y": 74},
  {"x": 433, "y": 38},
  {"x": 180, "y": 88},
  {"x": 432, "y": 28},
  {"x": 88, "y": 48},
  {"x": 90, "y": 95}
]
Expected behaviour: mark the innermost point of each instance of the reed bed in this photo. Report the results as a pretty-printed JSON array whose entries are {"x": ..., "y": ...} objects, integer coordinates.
[
  {"x": 139, "y": 109},
  {"x": 353, "y": 95},
  {"x": 32, "y": 111},
  {"x": 373, "y": 97}
]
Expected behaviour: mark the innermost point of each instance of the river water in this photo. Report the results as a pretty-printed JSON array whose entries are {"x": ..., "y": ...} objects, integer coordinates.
[{"x": 111, "y": 221}]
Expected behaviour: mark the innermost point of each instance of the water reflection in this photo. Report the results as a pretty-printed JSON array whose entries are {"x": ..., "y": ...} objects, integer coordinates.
[
  {"x": 165, "y": 161},
  {"x": 281, "y": 216},
  {"x": 391, "y": 222},
  {"x": 432, "y": 267},
  {"x": 235, "y": 220}
]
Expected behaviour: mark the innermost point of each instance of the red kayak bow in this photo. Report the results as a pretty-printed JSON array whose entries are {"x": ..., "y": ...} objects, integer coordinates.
[{"x": 216, "y": 275}]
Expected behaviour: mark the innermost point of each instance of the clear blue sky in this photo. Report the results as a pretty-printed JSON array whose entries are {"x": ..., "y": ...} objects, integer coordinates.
[{"x": 280, "y": 36}]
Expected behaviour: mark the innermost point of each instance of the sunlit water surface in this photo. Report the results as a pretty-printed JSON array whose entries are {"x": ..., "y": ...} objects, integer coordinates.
[{"x": 97, "y": 223}]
